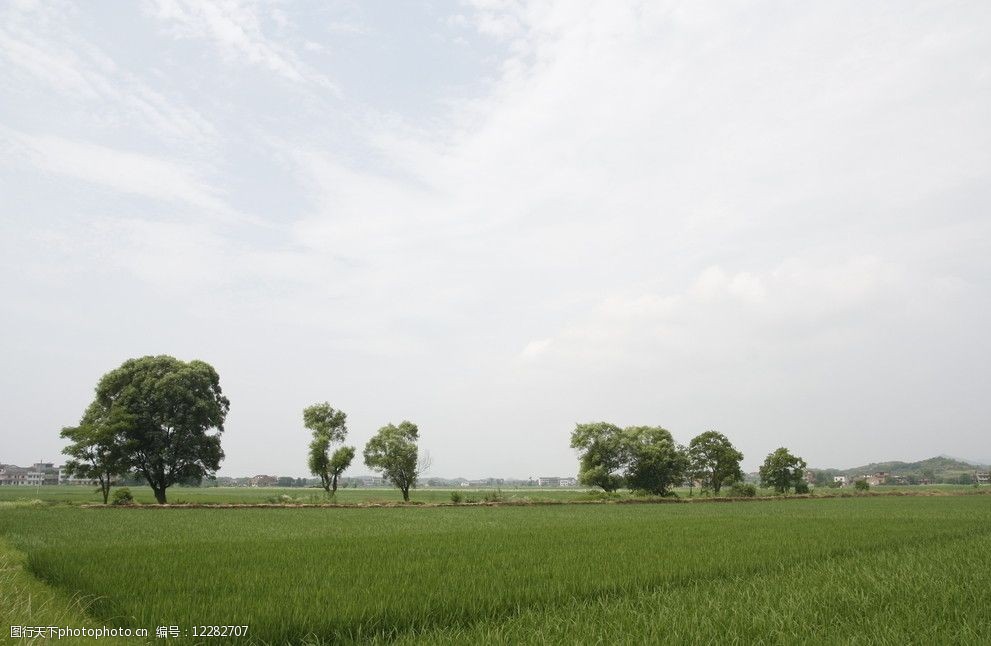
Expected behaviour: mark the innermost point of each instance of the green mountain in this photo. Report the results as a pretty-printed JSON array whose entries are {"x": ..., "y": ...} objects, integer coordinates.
[{"x": 940, "y": 466}]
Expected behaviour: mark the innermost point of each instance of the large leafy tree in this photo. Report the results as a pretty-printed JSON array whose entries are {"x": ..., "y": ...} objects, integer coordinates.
[
  {"x": 176, "y": 412},
  {"x": 782, "y": 470},
  {"x": 714, "y": 461},
  {"x": 602, "y": 454},
  {"x": 329, "y": 427},
  {"x": 96, "y": 447},
  {"x": 654, "y": 462},
  {"x": 393, "y": 452}
]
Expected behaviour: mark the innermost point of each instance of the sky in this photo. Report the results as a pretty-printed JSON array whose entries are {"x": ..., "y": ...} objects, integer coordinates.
[{"x": 499, "y": 219}]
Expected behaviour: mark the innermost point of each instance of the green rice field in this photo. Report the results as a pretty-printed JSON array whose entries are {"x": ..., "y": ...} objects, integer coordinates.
[
  {"x": 861, "y": 570},
  {"x": 259, "y": 495}
]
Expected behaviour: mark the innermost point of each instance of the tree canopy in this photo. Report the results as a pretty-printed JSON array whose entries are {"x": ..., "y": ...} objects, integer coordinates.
[
  {"x": 329, "y": 426},
  {"x": 714, "y": 461},
  {"x": 96, "y": 446},
  {"x": 655, "y": 463},
  {"x": 782, "y": 470},
  {"x": 602, "y": 454},
  {"x": 393, "y": 452},
  {"x": 175, "y": 412},
  {"x": 645, "y": 458}
]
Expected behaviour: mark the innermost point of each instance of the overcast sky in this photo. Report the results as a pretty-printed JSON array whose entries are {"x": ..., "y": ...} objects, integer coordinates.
[{"x": 500, "y": 219}]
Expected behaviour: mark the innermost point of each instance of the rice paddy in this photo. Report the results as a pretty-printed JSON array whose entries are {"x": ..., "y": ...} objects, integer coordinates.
[{"x": 857, "y": 570}]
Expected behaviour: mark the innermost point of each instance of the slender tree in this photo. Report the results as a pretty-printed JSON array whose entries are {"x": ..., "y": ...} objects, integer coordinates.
[
  {"x": 96, "y": 446},
  {"x": 393, "y": 452},
  {"x": 782, "y": 470},
  {"x": 329, "y": 426},
  {"x": 714, "y": 461},
  {"x": 175, "y": 412}
]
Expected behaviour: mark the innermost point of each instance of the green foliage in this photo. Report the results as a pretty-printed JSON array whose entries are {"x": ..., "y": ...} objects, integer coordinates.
[
  {"x": 326, "y": 422},
  {"x": 123, "y": 496},
  {"x": 174, "y": 412},
  {"x": 329, "y": 426},
  {"x": 494, "y": 496},
  {"x": 782, "y": 470},
  {"x": 456, "y": 497},
  {"x": 714, "y": 461},
  {"x": 743, "y": 490},
  {"x": 96, "y": 447},
  {"x": 655, "y": 464},
  {"x": 644, "y": 458},
  {"x": 861, "y": 485},
  {"x": 602, "y": 454},
  {"x": 801, "y": 487},
  {"x": 393, "y": 452}
]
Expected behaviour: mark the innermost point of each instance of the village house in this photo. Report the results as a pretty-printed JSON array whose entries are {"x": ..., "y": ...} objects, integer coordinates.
[
  {"x": 264, "y": 481},
  {"x": 15, "y": 476}
]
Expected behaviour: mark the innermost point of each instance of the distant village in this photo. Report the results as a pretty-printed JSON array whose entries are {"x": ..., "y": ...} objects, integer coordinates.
[{"x": 47, "y": 473}]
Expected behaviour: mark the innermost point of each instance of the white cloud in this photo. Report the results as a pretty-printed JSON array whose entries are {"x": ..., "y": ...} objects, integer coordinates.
[
  {"x": 123, "y": 171},
  {"x": 759, "y": 218},
  {"x": 236, "y": 30},
  {"x": 37, "y": 39}
]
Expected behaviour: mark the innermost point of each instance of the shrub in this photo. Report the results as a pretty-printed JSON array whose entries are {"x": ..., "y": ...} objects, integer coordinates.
[
  {"x": 802, "y": 487},
  {"x": 456, "y": 497},
  {"x": 861, "y": 485},
  {"x": 122, "y": 496},
  {"x": 743, "y": 490},
  {"x": 494, "y": 496}
]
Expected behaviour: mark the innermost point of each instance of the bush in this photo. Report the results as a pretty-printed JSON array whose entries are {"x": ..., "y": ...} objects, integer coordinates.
[
  {"x": 456, "y": 497},
  {"x": 743, "y": 490},
  {"x": 861, "y": 485},
  {"x": 122, "y": 496},
  {"x": 494, "y": 496},
  {"x": 802, "y": 487}
]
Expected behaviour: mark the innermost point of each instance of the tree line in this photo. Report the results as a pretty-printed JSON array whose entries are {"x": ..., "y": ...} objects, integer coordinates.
[
  {"x": 647, "y": 459},
  {"x": 392, "y": 451},
  {"x": 162, "y": 418}
]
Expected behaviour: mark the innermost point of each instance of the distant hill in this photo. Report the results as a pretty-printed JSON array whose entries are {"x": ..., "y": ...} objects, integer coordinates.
[{"x": 940, "y": 466}]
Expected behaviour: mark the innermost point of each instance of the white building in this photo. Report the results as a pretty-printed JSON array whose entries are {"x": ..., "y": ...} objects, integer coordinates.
[
  {"x": 548, "y": 481},
  {"x": 840, "y": 479},
  {"x": 14, "y": 476}
]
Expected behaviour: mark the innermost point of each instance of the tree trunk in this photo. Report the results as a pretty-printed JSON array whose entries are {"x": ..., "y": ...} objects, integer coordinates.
[
  {"x": 405, "y": 491},
  {"x": 334, "y": 492},
  {"x": 159, "y": 494}
]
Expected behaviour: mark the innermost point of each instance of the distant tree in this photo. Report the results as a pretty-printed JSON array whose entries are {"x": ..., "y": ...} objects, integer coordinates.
[
  {"x": 175, "y": 413},
  {"x": 96, "y": 446},
  {"x": 284, "y": 481},
  {"x": 655, "y": 463},
  {"x": 602, "y": 454},
  {"x": 782, "y": 470},
  {"x": 714, "y": 461},
  {"x": 392, "y": 451},
  {"x": 966, "y": 479},
  {"x": 329, "y": 427},
  {"x": 861, "y": 485}
]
